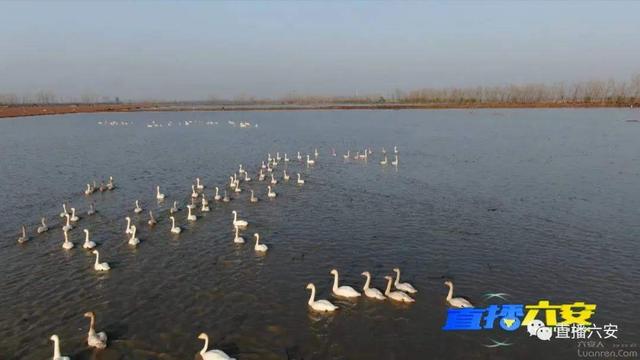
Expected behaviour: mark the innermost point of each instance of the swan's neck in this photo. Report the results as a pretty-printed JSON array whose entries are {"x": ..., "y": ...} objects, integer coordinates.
[
  {"x": 56, "y": 348},
  {"x": 206, "y": 345},
  {"x": 173, "y": 223},
  {"x": 97, "y": 258},
  {"x": 216, "y": 191},
  {"x": 133, "y": 234},
  {"x": 366, "y": 283},
  {"x": 66, "y": 237},
  {"x": 128, "y": 223},
  {"x": 235, "y": 217},
  {"x": 189, "y": 212},
  {"x": 86, "y": 237},
  {"x": 397, "y": 276},
  {"x": 68, "y": 218},
  {"x": 92, "y": 324},
  {"x": 257, "y": 239},
  {"x": 64, "y": 207},
  {"x": 43, "y": 223},
  {"x": 236, "y": 231},
  {"x": 450, "y": 294},
  {"x": 388, "y": 290},
  {"x": 335, "y": 281},
  {"x": 313, "y": 295}
]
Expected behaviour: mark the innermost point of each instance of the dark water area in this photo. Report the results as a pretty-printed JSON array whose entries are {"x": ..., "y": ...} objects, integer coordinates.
[{"x": 537, "y": 204}]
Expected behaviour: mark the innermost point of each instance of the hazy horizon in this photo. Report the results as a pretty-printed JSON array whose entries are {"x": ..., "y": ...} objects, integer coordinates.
[{"x": 200, "y": 50}]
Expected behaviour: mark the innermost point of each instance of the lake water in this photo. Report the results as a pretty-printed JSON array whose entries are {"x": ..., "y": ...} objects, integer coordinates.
[{"x": 537, "y": 204}]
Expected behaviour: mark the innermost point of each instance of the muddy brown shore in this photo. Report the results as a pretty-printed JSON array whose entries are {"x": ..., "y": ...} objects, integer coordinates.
[{"x": 9, "y": 111}]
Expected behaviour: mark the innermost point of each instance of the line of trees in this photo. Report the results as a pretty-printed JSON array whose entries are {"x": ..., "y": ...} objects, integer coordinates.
[{"x": 596, "y": 92}]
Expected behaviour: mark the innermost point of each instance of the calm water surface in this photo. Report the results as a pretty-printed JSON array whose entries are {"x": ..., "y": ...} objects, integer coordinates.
[{"x": 538, "y": 204}]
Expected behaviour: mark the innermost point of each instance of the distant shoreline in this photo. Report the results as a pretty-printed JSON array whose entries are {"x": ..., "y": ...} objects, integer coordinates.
[{"x": 11, "y": 111}]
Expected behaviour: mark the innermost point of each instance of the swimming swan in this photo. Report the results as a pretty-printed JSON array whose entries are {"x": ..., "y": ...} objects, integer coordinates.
[
  {"x": 96, "y": 340},
  {"x": 199, "y": 186},
  {"x": 310, "y": 162},
  {"x": 253, "y": 198},
  {"x": 238, "y": 223},
  {"x": 74, "y": 217},
  {"x": 56, "y": 348},
  {"x": 237, "y": 239},
  {"x": 174, "y": 229},
  {"x": 371, "y": 292},
  {"x": 406, "y": 287},
  {"x": 23, "y": 237},
  {"x": 190, "y": 216},
  {"x": 205, "y": 204},
  {"x": 159, "y": 195},
  {"x": 285, "y": 176},
  {"x": 259, "y": 247},
  {"x": 174, "y": 208},
  {"x": 319, "y": 305},
  {"x": 396, "y": 295},
  {"x": 133, "y": 240},
  {"x": 88, "y": 244},
  {"x": 194, "y": 194},
  {"x": 67, "y": 226},
  {"x": 128, "y": 229},
  {"x": 271, "y": 194},
  {"x": 43, "y": 228},
  {"x": 92, "y": 210},
  {"x": 456, "y": 302},
  {"x": 343, "y": 291},
  {"x": 300, "y": 181},
  {"x": 152, "y": 220},
  {"x": 100, "y": 266},
  {"x": 211, "y": 354},
  {"x": 217, "y": 196},
  {"x": 137, "y": 209},
  {"x": 64, "y": 212},
  {"x": 67, "y": 245}
]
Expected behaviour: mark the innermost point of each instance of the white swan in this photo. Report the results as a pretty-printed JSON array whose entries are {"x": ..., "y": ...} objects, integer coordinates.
[
  {"x": 137, "y": 209},
  {"x": 261, "y": 176},
  {"x": 56, "y": 348},
  {"x": 237, "y": 239},
  {"x": 343, "y": 291},
  {"x": 232, "y": 182},
  {"x": 319, "y": 305},
  {"x": 43, "y": 228},
  {"x": 89, "y": 190},
  {"x": 199, "y": 186},
  {"x": 96, "y": 340},
  {"x": 300, "y": 181},
  {"x": 406, "y": 287},
  {"x": 192, "y": 205},
  {"x": 67, "y": 226},
  {"x": 395, "y": 162},
  {"x": 174, "y": 229},
  {"x": 128, "y": 229},
  {"x": 285, "y": 176},
  {"x": 217, "y": 196},
  {"x": 237, "y": 222},
  {"x": 226, "y": 197},
  {"x": 286, "y": 158},
  {"x": 88, "y": 244},
  {"x": 67, "y": 245},
  {"x": 396, "y": 295},
  {"x": 152, "y": 220},
  {"x": 299, "y": 157},
  {"x": 237, "y": 187},
  {"x": 395, "y": 149},
  {"x": 74, "y": 217},
  {"x": 369, "y": 291},
  {"x": 194, "y": 194},
  {"x": 384, "y": 161},
  {"x": 270, "y": 194},
  {"x": 159, "y": 195},
  {"x": 310, "y": 161},
  {"x": 347, "y": 155},
  {"x": 133, "y": 240},
  {"x": 259, "y": 247},
  {"x": 211, "y": 354},
  {"x": 174, "y": 208},
  {"x": 273, "y": 180},
  {"x": 246, "y": 177},
  {"x": 205, "y": 204},
  {"x": 110, "y": 184},
  {"x": 456, "y": 302},
  {"x": 64, "y": 210},
  {"x": 92, "y": 210},
  {"x": 384, "y": 152},
  {"x": 253, "y": 198},
  {"x": 190, "y": 216},
  {"x": 100, "y": 266},
  {"x": 240, "y": 169},
  {"x": 316, "y": 152},
  {"x": 23, "y": 237}
]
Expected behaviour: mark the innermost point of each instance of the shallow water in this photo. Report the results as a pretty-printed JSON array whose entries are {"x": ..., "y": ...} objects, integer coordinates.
[{"x": 538, "y": 204}]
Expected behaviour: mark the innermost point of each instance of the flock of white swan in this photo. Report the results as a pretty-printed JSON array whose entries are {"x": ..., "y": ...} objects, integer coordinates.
[{"x": 395, "y": 290}]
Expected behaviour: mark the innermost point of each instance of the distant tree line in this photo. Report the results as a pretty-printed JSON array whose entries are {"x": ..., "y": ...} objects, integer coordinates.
[{"x": 594, "y": 92}]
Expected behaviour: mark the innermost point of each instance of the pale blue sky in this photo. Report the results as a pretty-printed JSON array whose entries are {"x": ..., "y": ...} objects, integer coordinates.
[{"x": 194, "y": 50}]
